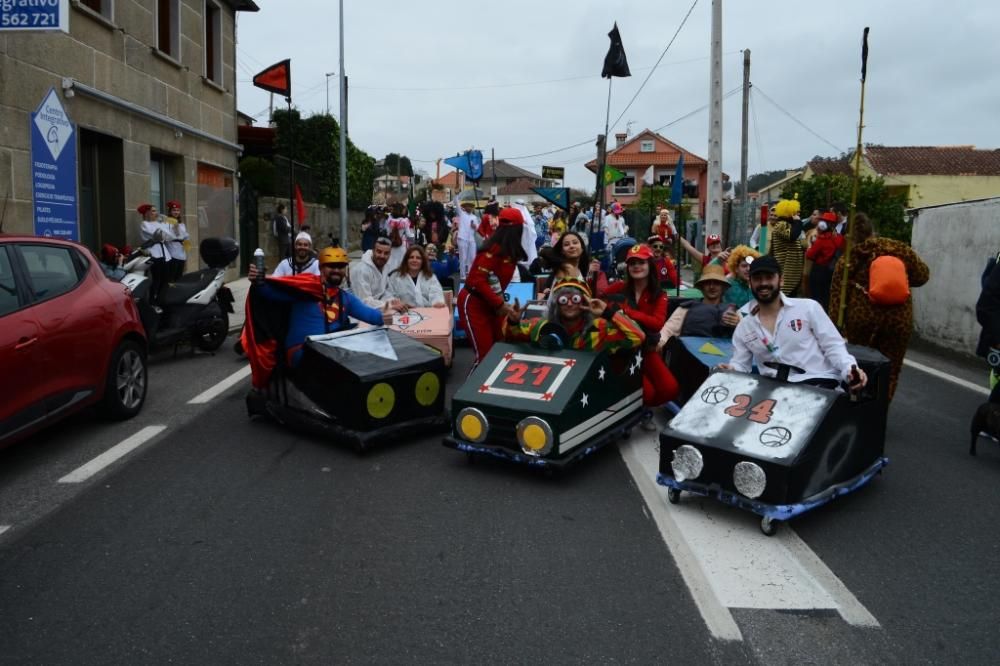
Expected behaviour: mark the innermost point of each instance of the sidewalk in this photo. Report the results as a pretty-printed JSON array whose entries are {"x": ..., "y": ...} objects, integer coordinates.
[{"x": 242, "y": 286}]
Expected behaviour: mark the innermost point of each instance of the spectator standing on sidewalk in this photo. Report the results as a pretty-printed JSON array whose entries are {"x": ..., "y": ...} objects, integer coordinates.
[{"x": 281, "y": 229}]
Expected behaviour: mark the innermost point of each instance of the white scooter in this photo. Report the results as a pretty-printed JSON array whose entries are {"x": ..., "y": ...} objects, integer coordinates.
[{"x": 195, "y": 308}]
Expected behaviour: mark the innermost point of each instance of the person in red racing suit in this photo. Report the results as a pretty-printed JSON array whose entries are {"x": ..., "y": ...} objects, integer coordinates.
[
  {"x": 481, "y": 306},
  {"x": 646, "y": 304}
]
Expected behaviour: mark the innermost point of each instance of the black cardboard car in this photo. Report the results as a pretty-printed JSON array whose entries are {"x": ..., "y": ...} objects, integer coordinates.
[{"x": 774, "y": 447}]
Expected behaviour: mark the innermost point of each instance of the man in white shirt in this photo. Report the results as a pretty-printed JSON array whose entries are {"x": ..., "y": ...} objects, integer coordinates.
[
  {"x": 792, "y": 331},
  {"x": 369, "y": 277},
  {"x": 466, "y": 226},
  {"x": 303, "y": 260}
]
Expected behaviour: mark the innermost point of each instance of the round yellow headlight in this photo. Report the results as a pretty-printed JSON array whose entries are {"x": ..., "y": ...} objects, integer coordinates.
[
  {"x": 428, "y": 389},
  {"x": 535, "y": 436},
  {"x": 472, "y": 425},
  {"x": 381, "y": 400}
]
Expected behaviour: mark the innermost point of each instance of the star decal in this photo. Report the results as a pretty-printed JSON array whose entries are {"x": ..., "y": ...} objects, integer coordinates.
[
  {"x": 600, "y": 373},
  {"x": 584, "y": 400},
  {"x": 638, "y": 357},
  {"x": 484, "y": 388},
  {"x": 547, "y": 396},
  {"x": 570, "y": 362},
  {"x": 508, "y": 356},
  {"x": 631, "y": 369}
]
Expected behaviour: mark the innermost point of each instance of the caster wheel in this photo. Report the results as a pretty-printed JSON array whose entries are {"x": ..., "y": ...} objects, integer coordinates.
[
  {"x": 768, "y": 526},
  {"x": 673, "y": 495}
]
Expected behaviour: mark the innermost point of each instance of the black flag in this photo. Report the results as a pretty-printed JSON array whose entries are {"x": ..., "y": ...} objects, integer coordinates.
[
  {"x": 864, "y": 56},
  {"x": 615, "y": 63}
]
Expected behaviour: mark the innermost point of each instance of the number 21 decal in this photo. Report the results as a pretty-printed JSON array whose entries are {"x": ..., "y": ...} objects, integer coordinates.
[
  {"x": 759, "y": 413},
  {"x": 516, "y": 372}
]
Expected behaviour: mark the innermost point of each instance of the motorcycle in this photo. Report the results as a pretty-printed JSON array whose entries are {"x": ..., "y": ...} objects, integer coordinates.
[{"x": 195, "y": 308}]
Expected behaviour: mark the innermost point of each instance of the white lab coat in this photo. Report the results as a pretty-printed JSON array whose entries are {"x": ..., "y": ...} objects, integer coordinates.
[
  {"x": 367, "y": 282},
  {"x": 148, "y": 231},
  {"x": 175, "y": 248},
  {"x": 423, "y": 294}
]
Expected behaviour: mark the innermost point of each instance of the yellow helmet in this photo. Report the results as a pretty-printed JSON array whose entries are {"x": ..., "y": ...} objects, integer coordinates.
[{"x": 333, "y": 255}]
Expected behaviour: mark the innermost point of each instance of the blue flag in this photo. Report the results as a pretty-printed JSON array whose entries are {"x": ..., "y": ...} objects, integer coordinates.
[
  {"x": 557, "y": 195},
  {"x": 471, "y": 162},
  {"x": 677, "y": 187}
]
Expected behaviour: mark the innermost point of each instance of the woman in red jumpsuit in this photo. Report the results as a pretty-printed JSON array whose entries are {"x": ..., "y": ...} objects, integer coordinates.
[
  {"x": 646, "y": 304},
  {"x": 481, "y": 306}
]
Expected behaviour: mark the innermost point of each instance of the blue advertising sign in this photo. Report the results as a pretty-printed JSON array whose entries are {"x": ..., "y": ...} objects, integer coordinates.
[
  {"x": 53, "y": 170},
  {"x": 34, "y": 15}
]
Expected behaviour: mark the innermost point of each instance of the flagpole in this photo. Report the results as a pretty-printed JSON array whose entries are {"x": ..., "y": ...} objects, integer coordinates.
[
  {"x": 854, "y": 187},
  {"x": 291, "y": 161},
  {"x": 600, "y": 194}
]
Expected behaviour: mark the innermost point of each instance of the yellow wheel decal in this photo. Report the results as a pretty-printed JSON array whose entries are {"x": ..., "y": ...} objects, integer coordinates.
[
  {"x": 428, "y": 389},
  {"x": 381, "y": 400},
  {"x": 471, "y": 427}
]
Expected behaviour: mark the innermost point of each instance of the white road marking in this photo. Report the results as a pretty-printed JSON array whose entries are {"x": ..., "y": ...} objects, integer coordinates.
[
  {"x": 123, "y": 448},
  {"x": 945, "y": 376},
  {"x": 727, "y": 563},
  {"x": 213, "y": 392},
  {"x": 4, "y": 528},
  {"x": 717, "y": 617}
]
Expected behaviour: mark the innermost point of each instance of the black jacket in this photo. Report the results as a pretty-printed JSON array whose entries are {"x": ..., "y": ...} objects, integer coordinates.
[{"x": 988, "y": 312}]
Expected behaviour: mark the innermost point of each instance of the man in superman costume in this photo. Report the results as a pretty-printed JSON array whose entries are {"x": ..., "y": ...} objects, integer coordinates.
[{"x": 295, "y": 307}]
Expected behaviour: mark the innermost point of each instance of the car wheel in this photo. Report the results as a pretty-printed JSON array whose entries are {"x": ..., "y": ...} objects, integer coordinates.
[
  {"x": 768, "y": 526},
  {"x": 125, "y": 388},
  {"x": 210, "y": 333},
  {"x": 673, "y": 495}
]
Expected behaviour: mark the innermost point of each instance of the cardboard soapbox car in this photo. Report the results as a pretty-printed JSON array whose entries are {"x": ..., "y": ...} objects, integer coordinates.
[
  {"x": 359, "y": 386},
  {"x": 545, "y": 406},
  {"x": 774, "y": 447}
]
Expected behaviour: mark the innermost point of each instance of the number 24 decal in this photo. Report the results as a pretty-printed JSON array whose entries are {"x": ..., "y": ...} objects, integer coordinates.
[{"x": 759, "y": 413}]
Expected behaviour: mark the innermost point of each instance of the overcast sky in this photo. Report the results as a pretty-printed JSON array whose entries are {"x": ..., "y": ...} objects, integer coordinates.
[{"x": 434, "y": 78}]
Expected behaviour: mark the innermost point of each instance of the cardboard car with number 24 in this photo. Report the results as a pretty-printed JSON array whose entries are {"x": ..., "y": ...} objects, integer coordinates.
[{"x": 774, "y": 447}]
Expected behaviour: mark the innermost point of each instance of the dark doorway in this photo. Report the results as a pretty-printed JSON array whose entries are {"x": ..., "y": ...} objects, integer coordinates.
[
  {"x": 102, "y": 190},
  {"x": 248, "y": 224}
]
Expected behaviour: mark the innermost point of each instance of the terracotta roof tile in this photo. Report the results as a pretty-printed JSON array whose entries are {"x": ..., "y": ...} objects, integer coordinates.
[
  {"x": 828, "y": 166},
  {"x": 933, "y": 160}
]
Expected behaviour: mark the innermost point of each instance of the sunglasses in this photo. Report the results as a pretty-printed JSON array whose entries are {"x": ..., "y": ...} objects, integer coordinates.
[
  {"x": 657, "y": 246},
  {"x": 575, "y": 299},
  {"x": 383, "y": 240}
]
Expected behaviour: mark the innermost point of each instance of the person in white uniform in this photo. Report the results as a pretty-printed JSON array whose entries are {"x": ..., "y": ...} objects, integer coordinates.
[
  {"x": 303, "y": 259},
  {"x": 465, "y": 225},
  {"x": 414, "y": 283}
]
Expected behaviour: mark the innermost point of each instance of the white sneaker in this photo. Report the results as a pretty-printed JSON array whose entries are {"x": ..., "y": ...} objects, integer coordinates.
[{"x": 649, "y": 424}]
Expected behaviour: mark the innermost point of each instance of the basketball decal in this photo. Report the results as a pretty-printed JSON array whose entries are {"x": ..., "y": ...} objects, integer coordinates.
[
  {"x": 714, "y": 395},
  {"x": 775, "y": 436}
]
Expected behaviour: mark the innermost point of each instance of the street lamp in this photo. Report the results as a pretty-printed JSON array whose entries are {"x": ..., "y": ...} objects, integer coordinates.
[{"x": 328, "y": 75}]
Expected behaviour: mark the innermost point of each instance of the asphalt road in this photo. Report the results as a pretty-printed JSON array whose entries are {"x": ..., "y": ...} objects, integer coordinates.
[{"x": 223, "y": 540}]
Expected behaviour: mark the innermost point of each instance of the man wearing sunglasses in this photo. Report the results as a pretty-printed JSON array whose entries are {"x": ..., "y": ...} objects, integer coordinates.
[
  {"x": 666, "y": 271},
  {"x": 590, "y": 324}
]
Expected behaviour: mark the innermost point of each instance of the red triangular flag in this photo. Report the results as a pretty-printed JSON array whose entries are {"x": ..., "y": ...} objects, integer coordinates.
[
  {"x": 300, "y": 205},
  {"x": 277, "y": 78}
]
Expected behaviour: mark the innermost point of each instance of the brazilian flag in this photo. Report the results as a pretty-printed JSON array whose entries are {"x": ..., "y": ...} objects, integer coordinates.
[{"x": 612, "y": 174}]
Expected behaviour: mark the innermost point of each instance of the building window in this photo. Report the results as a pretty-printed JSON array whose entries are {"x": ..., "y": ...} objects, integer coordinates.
[
  {"x": 647, "y": 146},
  {"x": 213, "y": 42},
  {"x": 168, "y": 28},
  {"x": 665, "y": 180},
  {"x": 103, "y": 7},
  {"x": 161, "y": 180},
  {"x": 626, "y": 185}
]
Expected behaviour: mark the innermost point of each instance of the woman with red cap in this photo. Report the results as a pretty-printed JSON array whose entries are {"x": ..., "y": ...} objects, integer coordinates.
[
  {"x": 175, "y": 248},
  {"x": 823, "y": 254},
  {"x": 646, "y": 304},
  {"x": 481, "y": 305}
]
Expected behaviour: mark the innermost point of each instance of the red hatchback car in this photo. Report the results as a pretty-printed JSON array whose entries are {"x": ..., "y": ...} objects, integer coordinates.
[{"x": 69, "y": 337}]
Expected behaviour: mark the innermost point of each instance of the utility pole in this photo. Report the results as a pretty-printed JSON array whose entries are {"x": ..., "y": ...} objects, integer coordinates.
[
  {"x": 343, "y": 139},
  {"x": 744, "y": 138},
  {"x": 713, "y": 212}
]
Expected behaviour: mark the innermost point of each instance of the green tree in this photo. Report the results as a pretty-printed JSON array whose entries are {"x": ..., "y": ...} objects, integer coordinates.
[
  {"x": 259, "y": 172},
  {"x": 393, "y": 164},
  {"x": 315, "y": 141},
  {"x": 885, "y": 210}
]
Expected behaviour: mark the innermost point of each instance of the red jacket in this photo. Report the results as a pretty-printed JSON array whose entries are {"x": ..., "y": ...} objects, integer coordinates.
[
  {"x": 824, "y": 248},
  {"x": 666, "y": 269},
  {"x": 649, "y": 313},
  {"x": 478, "y": 281}
]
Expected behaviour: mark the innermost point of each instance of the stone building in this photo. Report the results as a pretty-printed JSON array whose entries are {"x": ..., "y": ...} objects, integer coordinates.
[{"x": 151, "y": 88}]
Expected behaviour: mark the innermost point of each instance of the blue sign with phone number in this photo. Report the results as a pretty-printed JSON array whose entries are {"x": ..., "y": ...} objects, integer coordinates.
[{"x": 34, "y": 15}]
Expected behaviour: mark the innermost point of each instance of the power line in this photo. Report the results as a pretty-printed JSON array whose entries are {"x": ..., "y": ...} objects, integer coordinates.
[
  {"x": 648, "y": 76},
  {"x": 756, "y": 89},
  {"x": 756, "y": 132}
]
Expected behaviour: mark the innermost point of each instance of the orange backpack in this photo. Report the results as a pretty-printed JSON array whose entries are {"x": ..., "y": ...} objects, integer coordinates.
[{"x": 887, "y": 281}]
